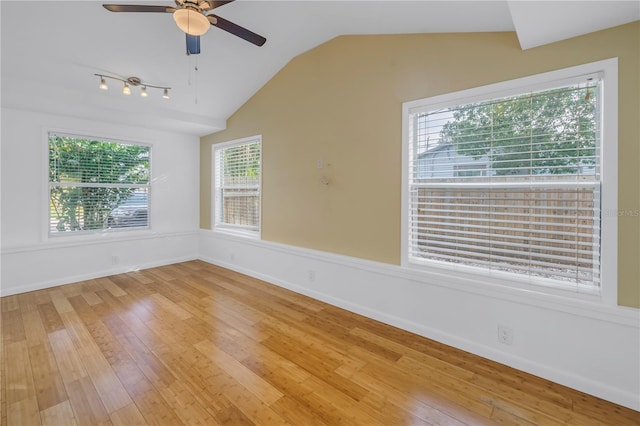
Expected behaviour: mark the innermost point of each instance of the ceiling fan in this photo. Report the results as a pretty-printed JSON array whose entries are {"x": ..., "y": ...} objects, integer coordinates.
[{"x": 190, "y": 17}]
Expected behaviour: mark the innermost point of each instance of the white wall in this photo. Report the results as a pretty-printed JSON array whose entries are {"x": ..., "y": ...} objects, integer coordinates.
[
  {"x": 581, "y": 344},
  {"x": 31, "y": 260}
]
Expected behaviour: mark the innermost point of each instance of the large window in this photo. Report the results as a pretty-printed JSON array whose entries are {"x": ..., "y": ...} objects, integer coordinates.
[
  {"x": 237, "y": 169},
  {"x": 97, "y": 184},
  {"x": 509, "y": 179}
]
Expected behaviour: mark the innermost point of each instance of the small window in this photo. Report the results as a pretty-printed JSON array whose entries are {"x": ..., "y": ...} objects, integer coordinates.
[
  {"x": 237, "y": 186},
  {"x": 509, "y": 180},
  {"x": 96, "y": 184}
]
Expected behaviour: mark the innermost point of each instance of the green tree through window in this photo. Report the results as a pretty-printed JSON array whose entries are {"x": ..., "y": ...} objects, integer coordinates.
[
  {"x": 89, "y": 178},
  {"x": 549, "y": 132}
]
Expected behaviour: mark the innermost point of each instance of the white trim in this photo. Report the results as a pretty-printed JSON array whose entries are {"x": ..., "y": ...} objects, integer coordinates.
[
  {"x": 495, "y": 288},
  {"x": 84, "y": 277},
  {"x": 106, "y": 238},
  {"x": 240, "y": 141},
  {"x": 84, "y": 135},
  {"x": 396, "y": 296},
  {"x": 510, "y": 87},
  {"x": 609, "y": 201},
  {"x": 149, "y": 250},
  {"x": 404, "y": 192},
  {"x": 609, "y": 70}
]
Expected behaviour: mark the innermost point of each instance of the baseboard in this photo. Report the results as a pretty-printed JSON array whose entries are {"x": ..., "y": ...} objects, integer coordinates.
[
  {"x": 99, "y": 274},
  {"x": 36, "y": 267}
]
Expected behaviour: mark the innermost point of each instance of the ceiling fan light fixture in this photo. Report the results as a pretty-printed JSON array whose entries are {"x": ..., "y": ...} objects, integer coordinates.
[
  {"x": 191, "y": 22},
  {"x": 166, "y": 94},
  {"x": 143, "y": 91},
  {"x": 126, "y": 90}
]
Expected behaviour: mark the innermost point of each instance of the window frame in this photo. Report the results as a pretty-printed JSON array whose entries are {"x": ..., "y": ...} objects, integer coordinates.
[
  {"x": 90, "y": 234},
  {"x": 231, "y": 229},
  {"x": 608, "y": 68}
]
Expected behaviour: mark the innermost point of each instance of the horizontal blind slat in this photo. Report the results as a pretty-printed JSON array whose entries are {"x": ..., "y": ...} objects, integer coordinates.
[
  {"x": 549, "y": 247},
  {"x": 504, "y": 257}
]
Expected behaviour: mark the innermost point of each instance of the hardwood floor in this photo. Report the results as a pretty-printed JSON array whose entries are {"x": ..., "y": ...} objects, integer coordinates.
[{"x": 193, "y": 343}]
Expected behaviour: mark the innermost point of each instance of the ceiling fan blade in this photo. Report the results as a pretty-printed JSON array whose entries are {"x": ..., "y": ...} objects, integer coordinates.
[
  {"x": 138, "y": 8},
  {"x": 237, "y": 30},
  {"x": 218, "y": 3}
]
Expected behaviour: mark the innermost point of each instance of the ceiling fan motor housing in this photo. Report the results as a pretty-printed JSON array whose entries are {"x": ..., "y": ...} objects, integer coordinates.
[{"x": 198, "y": 5}]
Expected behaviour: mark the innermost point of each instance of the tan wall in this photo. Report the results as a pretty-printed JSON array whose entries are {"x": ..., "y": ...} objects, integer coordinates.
[{"x": 342, "y": 101}]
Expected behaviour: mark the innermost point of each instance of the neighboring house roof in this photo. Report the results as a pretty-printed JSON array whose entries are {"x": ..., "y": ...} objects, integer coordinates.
[{"x": 436, "y": 149}]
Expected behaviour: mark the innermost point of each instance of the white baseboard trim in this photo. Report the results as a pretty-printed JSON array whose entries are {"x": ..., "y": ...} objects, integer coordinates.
[
  {"x": 85, "y": 277},
  {"x": 278, "y": 264},
  {"x": 36, "y": 267}
]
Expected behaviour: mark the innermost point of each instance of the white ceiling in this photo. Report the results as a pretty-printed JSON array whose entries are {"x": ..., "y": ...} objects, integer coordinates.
[{"x": 51, "y": 49}]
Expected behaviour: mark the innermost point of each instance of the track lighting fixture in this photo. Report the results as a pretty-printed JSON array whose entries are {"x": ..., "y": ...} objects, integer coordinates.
[{"x": 132, "y": 81}]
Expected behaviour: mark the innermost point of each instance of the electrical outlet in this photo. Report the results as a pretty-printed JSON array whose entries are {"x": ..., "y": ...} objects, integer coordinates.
[
  {"x": 311, "y": 275},
  {"x": 505, "y": 335},
  {"x": 232, "y": 256},
  {"x": 115, "y": 260}
]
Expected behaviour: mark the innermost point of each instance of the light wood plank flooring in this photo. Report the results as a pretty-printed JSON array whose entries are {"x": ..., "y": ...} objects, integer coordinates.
[{"x": 193, "y": 343}]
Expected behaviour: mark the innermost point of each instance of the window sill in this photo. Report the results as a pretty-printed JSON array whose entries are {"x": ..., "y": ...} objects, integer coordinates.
[
  {"x": 92, "y": 239},
  {"x": 240, "y": 233},
  {"x": 101, "y": 234},
  {"x": 586, "y": 305},
  {"x": 508, "y": 280}
]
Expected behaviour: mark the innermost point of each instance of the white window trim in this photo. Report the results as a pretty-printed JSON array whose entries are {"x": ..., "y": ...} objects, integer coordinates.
[
  {"x": 230, "y": 229},
  {"x": 99, "y": 233},
  {"x": 608, "y": 294}
]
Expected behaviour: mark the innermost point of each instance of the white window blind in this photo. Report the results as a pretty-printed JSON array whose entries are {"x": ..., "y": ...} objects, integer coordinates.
[
  {"x": 96, "y": 184},
  {"x": 237, "y": 186},
  {"x": 510, "y": 184}
]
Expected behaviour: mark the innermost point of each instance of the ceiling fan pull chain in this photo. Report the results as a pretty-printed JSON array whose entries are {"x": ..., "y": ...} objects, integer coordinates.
[
  {"x": 195, "y": 68},
  {"x": 188, "y": 73}
]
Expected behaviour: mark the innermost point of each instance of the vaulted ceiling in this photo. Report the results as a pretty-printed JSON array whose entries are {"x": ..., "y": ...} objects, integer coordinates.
[{"x": 51, "y": 49}]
